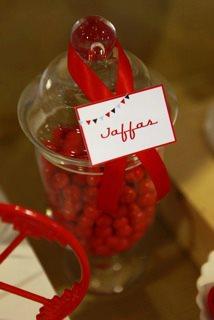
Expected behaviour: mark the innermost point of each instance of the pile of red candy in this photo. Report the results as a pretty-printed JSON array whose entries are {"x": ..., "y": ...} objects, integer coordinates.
[{"x": 73, "y": 198}]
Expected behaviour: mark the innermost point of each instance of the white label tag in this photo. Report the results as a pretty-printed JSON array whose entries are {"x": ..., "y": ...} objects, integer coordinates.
[{"x": 127, "y": 124}]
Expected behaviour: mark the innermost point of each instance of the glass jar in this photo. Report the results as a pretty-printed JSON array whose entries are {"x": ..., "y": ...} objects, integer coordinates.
[{"x": 46, "y": 115}]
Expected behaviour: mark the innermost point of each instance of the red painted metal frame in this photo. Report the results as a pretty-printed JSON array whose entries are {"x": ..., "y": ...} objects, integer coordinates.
[{"x": 33, "y": 224}]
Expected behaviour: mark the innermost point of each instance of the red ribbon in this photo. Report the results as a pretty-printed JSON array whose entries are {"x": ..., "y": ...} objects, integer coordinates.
[{"x": 95, "y": 90}]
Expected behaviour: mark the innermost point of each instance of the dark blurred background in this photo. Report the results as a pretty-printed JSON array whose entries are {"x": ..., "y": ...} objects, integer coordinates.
[{"x": 174, "y": 37}]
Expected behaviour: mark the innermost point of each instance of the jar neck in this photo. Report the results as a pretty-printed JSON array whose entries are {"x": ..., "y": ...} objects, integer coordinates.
[{"x": 78, "y": 165}]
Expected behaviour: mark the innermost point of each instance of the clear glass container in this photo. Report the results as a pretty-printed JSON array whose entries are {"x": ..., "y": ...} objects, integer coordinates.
[{"x": 47, "y": 117}]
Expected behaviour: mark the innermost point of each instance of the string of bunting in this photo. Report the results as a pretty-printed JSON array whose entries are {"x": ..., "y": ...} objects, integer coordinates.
[{"x": 107, "y": 114}]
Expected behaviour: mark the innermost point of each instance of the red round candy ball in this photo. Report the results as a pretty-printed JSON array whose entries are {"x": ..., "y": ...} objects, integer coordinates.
[
  {"x": 93, "y": 181},
  {"x": 125, "y": 231},
  {"x": 121, "y": 222},
  {"x": 135, "y": 175},
  {"x": 96, "y": 242},
  {"x": 137, "y": 217},
  {"x": 122, "y": 244},
  {"x": 85, "y": 222},
  {"x": 73, "y": 144},
  {"x": 90, "y": 195},
  {"x": 104, "y": 221},
  {"x": 128, "y": 195},
  {"x": 48, "y": 169},
  {"x": 146, "y": 186},
  {"x": 112, "y": 242},
  {"x": 79, "y": 179},
  {"x": 91, "y": 212},
  {"x": 122, "y": 211},
  {"x": 71, "y": 192},
  {"x": 70, "y": 208},
  {"x": 147, "y": 199},
  {"x": 103, "y": 232},
  {"x": 60, "y": 180}
]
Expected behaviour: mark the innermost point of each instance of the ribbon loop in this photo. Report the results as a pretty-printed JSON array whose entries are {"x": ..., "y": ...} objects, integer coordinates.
[{"x": 95, "y": 90}]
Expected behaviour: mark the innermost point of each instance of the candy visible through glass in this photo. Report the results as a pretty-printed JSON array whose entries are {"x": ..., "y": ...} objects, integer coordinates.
[{"x": 73, "y": 198}]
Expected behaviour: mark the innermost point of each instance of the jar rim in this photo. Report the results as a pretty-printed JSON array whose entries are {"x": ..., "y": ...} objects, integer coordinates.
[{"x": 62, "y": 160}]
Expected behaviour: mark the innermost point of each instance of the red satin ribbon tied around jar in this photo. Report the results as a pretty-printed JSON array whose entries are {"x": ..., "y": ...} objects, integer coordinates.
[{"x": 95, "y": 90}]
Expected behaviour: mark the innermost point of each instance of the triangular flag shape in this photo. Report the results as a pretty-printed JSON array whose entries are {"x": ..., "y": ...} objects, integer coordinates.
[
  {"x": 113, "y": 110},
  {"x": 123, "y": 101},
  {"x": 95, "y": 120},
  {"x": 88, "y": 121},
  {"x": 108, "y": 114},
  {"x": 127, "y": 96}
]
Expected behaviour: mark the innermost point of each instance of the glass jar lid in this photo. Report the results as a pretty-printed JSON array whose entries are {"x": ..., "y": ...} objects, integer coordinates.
[{"x": 46, "y": 107}]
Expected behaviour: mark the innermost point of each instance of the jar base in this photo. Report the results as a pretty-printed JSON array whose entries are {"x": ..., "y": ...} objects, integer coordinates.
[
  {"x": 109, "y": 275},
  {"x": 112, "y": 275}
]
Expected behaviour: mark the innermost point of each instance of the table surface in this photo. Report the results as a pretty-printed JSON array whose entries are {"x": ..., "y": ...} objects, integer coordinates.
[
  {"x": 165, "y": 291},
  {"x": 173, "y": 46}
]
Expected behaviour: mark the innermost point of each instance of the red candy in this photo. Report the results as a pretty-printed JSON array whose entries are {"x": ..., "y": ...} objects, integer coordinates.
[
  {"x": 67, "y": 141},
  {"x": 60, "y": 180},
  {"x": 90, "y": 195},
  {"x": 73, "y": 145},
  {"x": 146, "y": 186},
  {"x": 122, "y": 244},
  {"x": 104, "y": 220},
  {"x": 79, "y": 179},
  {"x": 103, "y": 232},
  {"x": 72, "y": 192},
  {"x": 47, "y": 168},
  {"x": 112, "y": 242},
  {"x": 125, "y": 231},
  {"x": 73, "y": 198},
  {"x": 121, "y": 222},
  {"x": 70, "y": 209},
  {"x": 91, "y": 212},
  {"x": 58, "y": 135},
  {"x": 69, "y": 216},
  {"x": 128, "y": 195},
  {"x": 122, "y": 211},
  {"x": 93, "y": 181},
  {"x": 147, "y": 199},
  {"x": 135, "y": 175}
]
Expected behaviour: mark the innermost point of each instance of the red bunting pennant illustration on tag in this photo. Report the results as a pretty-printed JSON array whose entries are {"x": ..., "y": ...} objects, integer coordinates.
[{"x": 107, "y": 114}]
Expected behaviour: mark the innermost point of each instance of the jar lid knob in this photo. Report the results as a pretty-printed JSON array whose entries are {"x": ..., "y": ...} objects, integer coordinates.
[{"x": 93, "y": 37}]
